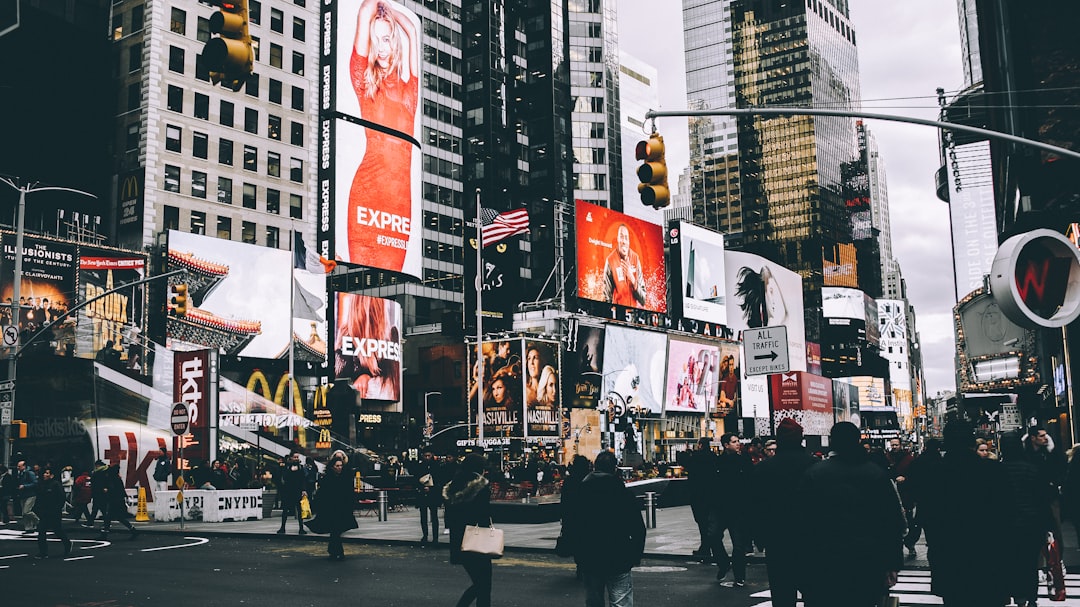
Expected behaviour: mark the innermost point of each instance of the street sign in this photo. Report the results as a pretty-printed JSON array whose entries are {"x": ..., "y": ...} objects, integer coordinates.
[
  {"x": 7, "y": 385},
  {"x": 766, "y": 350},
  {"x": 180, "y": 419},
  {"x": 11, "y": 335},
  {"x": 7, "y": 405},
  {"x": 6, "y": 414},
  {"x": 1009, "y": 417}
]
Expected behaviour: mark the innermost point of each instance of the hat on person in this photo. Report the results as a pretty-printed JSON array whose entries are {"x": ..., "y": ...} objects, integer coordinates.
[{"x": 789, "y": 432}]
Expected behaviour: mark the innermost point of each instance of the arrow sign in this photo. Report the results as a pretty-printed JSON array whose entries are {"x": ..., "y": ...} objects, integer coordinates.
[
  {"x": 766, "y": 350},
  {"x": 772, "y": 355}
]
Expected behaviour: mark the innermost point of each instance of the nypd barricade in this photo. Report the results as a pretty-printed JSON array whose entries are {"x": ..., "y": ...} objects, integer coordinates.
[{"x": 207, "y": 505}]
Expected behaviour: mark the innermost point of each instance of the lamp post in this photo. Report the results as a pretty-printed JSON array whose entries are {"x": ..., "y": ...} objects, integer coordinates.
[{"x": 16, "y": 309}]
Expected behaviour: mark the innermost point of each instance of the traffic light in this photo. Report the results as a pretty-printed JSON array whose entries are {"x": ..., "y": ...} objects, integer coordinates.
[
  {"x": 653, "y": 174},
  {"x": 178, "y": 300},
  {"x": 18, "y": 429},
  {"x": 229, "y": 57}
]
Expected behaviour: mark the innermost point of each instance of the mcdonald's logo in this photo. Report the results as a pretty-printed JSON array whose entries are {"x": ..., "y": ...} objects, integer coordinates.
[
  {"x": 257, "y": 379},
  {"x": 130, "y": 189}
]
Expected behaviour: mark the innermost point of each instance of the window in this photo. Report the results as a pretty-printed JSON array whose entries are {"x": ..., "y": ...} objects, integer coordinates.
[
  {"x": 224, "y": 190},
  {"x": 273, "y": 237},
  {"x": 133, "y": 137},
  {"x": 137, "y": 18},
  {"x": 297, "y": 98},
  {"x": 176, "y": 59},
  {"x": 249, "y": 196},
  {"x": 256, "y": 45},
  {"x": 225, "y": 152},
  {"x": 277, "y": 21},
  {"x": 252, "y": 85},
  {"x": 251, "y": 120},
  {"x": 198, "y": 222},
  {"x": 275, "y": 55},
  {"x": 296, "y": 206},
  {"x": 297, "y": 136},
  {"x": 224, "y": 227},
  {"x": 273, "y": 201},
  {"x": 135, "y": 57},
  {"x": 273, "y": 127},
  {"x": 298, "y": 63},
  {"x": 300, "y": 2},
  {"x": 134, "y": 96},
  {"x": 299, "y": 29},
  {"x": 198, "y": 184},
  {"x": 254, "y": 11},
  {"x": 273, "y": 164},
  {"x": 172, "y": 178},
  {"x": 178, "y": 21},
  {"x": 202, "y": 30},
  {"x": 175, "y": 97},
  {"x": 172, "y": 137},
  {"x": 226, "y": 113},
  {"x": 171, "y": 218},
  {"x": 251, "y": 158},
  {"x": 296, "y": 170},
  {"x": 247, "y": 232},
  {"x": 275, "y": 91},
  {"x": 202, "y": 106},
  {"x": 199, "y": 144},
  {"x": 117, "y": 26}
]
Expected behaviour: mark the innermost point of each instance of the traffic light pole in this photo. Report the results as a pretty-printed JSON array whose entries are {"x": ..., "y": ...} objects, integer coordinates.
[{"x": 798, "y": 111}]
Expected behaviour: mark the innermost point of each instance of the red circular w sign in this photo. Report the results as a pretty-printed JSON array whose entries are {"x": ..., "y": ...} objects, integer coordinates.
[{"x": 180, "y": 419}]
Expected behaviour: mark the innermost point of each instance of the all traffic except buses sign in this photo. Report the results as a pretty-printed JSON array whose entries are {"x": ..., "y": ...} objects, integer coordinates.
[
  {"x": 180, "y": 419},
  {"x": 766, "y": 350}
]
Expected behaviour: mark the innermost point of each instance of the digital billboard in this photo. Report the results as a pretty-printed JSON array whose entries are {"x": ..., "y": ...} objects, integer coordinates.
[
  {"x": 762, "y": 293},
  {"x": 805, "y": 398},
  {"x": 582, "y": 364},
  {"x": 701, "y": 284},
  {"x": 370, "y": 160},
  {"x": 501, "y": 287},
  {"x": 634, "y": 369},
  {"x": 840, "y": 302},
  {"x": 620, "y": 259},
  {"x": 871, "y": 390},
  {"x": 48, "y": 280},
  {"x": 541, "y": 389},
  {"x": 503, "y": 385},
  {"x": 367, "y": 345},
  {"x": 115, "y": 317},
  {"x": 728, "y": 376},
  {"x": 846, "y": 403},
  {"x": 692, "y": 376}
]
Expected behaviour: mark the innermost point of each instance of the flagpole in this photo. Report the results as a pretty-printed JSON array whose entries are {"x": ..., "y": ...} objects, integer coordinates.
[
  {"x": 292, "y": 294},
  {"x": 479, "y": 325}
]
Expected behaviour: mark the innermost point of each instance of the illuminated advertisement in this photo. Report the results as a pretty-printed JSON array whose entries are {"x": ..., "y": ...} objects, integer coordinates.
[
  {"x": 541, "y": 389},
  {"x": 193, "y": 385},
  {"x": 699, "y": 254},
  {"x": 503, "y": 386},
  {"x": 620, "y": 259},
  {"x": 114, "y": 317},
  {"x": 243, "y": 300},
  {"x": 370, "y": 161},
  {"x": 48, "y": 281},
  {"x": 634, "y": 370},
  {"x": 728, "y": 388},
  {"x": 871, "y": 390},
  {"x": 501, "y": 287},
  {"x": 692, "y": 376},
  {"x": 846, "y": 403},
  {"x": 367, "y": 346},
  {"x": 765, "y": 294},
  {"x": 582, "y": 362},
  {"x": 805, "y": 398},
  {"x": 839, "y": 302}
]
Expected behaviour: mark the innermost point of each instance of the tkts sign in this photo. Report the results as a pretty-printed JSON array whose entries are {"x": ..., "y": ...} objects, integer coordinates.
[{"x": 192, "y": 386}]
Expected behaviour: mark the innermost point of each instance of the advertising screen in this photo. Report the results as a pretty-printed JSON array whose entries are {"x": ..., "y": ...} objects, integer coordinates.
[
  {"x": 541, "y": 389},
  {"x": 871, "y": 390},
  {"x": 762, "y": 293},
  {"x": 634, "y": 369},
  {"x": 48, "y": 280},
  {"x": 620, "y": 259},
  {"x": 502, "y": 283},
  {"x": 367, "y": 345},
  {"x": 805, "y": 398},
  {"x": 114, "y": 317},
  {"x": 702, "y": 283},
  {"x": 729, "y": 388},
  {"x": 503, "y": 395},
  {"x": 583, "y": 360},
  {"x": 840, "y": 302},
  {"x": 370, "y": 161},
  {"x": 692, "y": 376},
  {"x": 846, "y": 403}
]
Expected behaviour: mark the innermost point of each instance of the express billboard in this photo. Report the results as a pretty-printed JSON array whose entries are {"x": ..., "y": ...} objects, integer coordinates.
[
  {"x": 370, "y": 161},
  {"x": 692, "y": 376},
  {"x": 762, "y": 293},
  {"x": 697, "y": 255},
  {"x": 620, "y": 259},
  {"x": 367, "y": 345}
]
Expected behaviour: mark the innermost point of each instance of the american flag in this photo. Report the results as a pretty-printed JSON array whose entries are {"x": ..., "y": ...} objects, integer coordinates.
[{"x": 500, "y": 226}]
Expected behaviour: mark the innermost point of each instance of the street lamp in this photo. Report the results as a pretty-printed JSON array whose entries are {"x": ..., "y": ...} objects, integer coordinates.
[{"x": 9, "y": 408}]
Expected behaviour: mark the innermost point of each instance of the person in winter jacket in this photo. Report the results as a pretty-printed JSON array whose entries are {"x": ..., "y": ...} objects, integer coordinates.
[
  {"x": 293, "y": 489},
  {"x": 702, "y": 483},
  {"x": 607, "y": 534},
  {"x": 729, "y": 511},
  {"x": 468, "y": 502},
  {"x": 81, "y": 494},
  {"x": 1025, "y": 531},
  {"x": 49, "y": 507},
  {"x": 8, "y": 493},
  {"x": 335, "y": 502},
  {"x": 115, "y": 497}
]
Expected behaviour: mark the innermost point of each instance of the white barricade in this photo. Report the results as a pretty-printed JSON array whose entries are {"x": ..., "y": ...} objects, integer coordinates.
[{"x": 207, "y": 505}]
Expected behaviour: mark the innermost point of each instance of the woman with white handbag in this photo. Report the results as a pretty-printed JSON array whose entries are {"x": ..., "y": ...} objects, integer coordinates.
[{"x": 468, "y": 503}]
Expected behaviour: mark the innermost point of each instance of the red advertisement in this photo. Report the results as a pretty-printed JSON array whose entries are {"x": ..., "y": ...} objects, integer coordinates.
[
  {"x": 191, "y": 386},
  {"x": 805, "y": 398},
  {"x": 620, "y": 259},
  {"x": 367, "y": 346}
]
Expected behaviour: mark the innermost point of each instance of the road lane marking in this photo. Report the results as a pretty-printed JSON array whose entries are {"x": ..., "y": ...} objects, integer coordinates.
[{"x": 198, "y": 541}]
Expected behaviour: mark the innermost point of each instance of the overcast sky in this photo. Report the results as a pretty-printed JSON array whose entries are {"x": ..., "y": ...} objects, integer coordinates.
[{"x": 906, "y": 50}]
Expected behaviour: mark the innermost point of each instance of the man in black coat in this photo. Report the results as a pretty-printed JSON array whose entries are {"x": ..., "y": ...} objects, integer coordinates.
[
  {"x": 852, "y": 526},
  {"x": 429, "y": 485},
  {"x": 607, "y": 534},
  {"x": 701, "y": 482},
  {"x": 48, "y": 507},
  {"x": 293, "y": 489},
  {"x": 776, "y": 525},
  {"x": 729, "y": 510}
]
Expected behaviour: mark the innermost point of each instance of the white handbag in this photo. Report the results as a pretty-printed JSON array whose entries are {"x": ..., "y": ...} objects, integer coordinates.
[{"x": 483, "y": 540}]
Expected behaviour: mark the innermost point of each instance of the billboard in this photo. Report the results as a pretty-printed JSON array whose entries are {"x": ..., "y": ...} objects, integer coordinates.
[
  {"x": 370, "y": 161},
  {"x": 48, "y": 280},
  {"x": 634, "y": 367},
  {"x": 193, "y": 385},
  {"x": 840, "y": 302},
  {"x": 501, "y": 286},
  {"x": 503, "y": 396},
  {"x": 692, "y": 376},
  {"x": 845, "y": 403},
  {"x": 762, "y": 293},
  {"x": 367, "y": 345},
  {"x": 871, "y": 390},
  {"x": 699, "y": 256},
  {"x": 541, "y": 389},
  {"x": 582, "y": 362},
  {"x": 805, "y": 398},
  {"x": 620, "y": 259},
  {"x": 114, "y": 317}
]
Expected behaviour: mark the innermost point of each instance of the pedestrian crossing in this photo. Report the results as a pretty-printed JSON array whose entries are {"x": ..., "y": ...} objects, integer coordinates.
[{"x": 913, "y": 589}]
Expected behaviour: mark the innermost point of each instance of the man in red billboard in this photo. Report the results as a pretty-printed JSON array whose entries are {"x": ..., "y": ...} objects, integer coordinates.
[{"x": 624, "y": 282}]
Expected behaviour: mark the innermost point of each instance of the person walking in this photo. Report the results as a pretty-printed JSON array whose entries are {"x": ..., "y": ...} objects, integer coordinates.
[
  {"x": 8, "y": 492},
  {"x": 27, "y": 493},
  {"x": 293, "y": 484},
  {"x": 428, "y": 494},
  {"x": 607, "y": 535},
  {"x": 729, "y": 511},
  {"x": 776, "y": 527},
  {"x": 926, "y": 460},
  {"x": 852, "y": 531},
  {"x": 49, "y": 507},
  {"x": 162, "y": 470},
  {"x": 1025, "y": 532},
  {"x": 900, "y": 460},
  {"x": 335, "y": 501},
  {"x": 81, "y": 495},
  {"x": 468, "y": 502},
  {"x": 702, "y": 484},
  {"x": 580, "y": 467},
  {"x": 97, "y": 490},
  {"x": 115, "y": 496},
  {"x": 1041, "y": 450}
]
